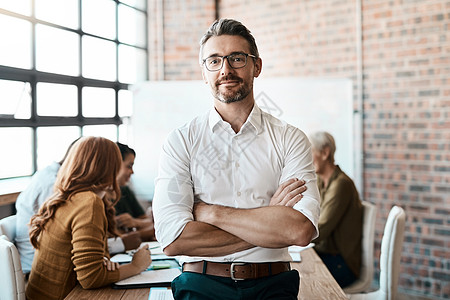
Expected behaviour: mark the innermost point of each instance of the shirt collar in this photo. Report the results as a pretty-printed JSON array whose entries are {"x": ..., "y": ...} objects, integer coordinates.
[
  {"x": 214, "y": 119},
  {"x": 254, "y": 119}
]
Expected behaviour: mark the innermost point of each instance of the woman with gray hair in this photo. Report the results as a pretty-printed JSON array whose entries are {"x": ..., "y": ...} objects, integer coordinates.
[{"x": 341, "y": 212}]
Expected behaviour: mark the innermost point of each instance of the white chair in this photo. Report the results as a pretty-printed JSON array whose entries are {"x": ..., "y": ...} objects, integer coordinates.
[
  {"x": 365, "y": 279},
  {"x": 8, "y": 228},
  {"x": 391, "y": 249},
  {"x": 12, "y": 284}
]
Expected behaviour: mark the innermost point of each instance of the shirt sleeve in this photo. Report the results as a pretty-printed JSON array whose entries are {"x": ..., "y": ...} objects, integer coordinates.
[
  {"x": 299, "y": 164},
  {"x": 174, "y": 196},
  {"x": 30, "y": 200},
  {"x": 88, "y": 241},
  {"x": 115, "y": 245}
]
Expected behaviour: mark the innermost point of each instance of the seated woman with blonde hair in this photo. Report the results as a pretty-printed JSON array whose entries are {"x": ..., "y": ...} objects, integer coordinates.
[{"x": 70, "y": 230}]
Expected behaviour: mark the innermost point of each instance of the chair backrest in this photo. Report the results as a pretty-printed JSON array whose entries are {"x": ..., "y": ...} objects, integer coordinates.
[
  {"x": 12, "y": 284},
  {"x": 8, "y": 227},
  {"x": 391, "y": 249},
  {"x": 364, "y": 282}
]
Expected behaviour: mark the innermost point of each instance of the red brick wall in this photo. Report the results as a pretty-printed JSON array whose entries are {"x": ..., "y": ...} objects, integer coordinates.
[
  {"x": 407, "y": 131},
  {"x": 300, "y": 38},
  {"x": 406, "y": 99},
  {"x": 184, "y": 24}
]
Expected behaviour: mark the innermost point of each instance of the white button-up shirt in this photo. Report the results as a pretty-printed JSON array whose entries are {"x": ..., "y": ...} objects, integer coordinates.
[{"x": 205, "y": 159}]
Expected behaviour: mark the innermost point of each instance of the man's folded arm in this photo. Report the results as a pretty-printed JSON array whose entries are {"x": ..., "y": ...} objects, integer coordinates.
[
  {"x": 201, "y": 239},
  {"x": 269, "y": 227},
  {"x": 218, "y": 230},
  {"x": 275, "y": 226}
]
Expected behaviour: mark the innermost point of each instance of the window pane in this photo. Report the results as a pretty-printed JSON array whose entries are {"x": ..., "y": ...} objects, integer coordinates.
[
  {"x": 125, "y": 103},
  {"x": 16, "y": 48},
  {"x": 132, "y": 64},
  {"x": 106, "y": 131},
  {"x": 19, "y": 6},
  {"x": 141, "y": 4},
  {"x": 17, "y": 99},
  {"x": 124, "y": 132},
  {"x": 52, "y": 143},
  {"x": 98, "y": 102},
  {"x": 64, "y": 13},
  {"x": 99, "y": 59},
  {"x": 57, "y": 51},
  {"x": 131, "y": 26},
  {"x": 107, "y": 27},
  {"x": 16, "y": 159},
  {"x": 56, "y": 100}
]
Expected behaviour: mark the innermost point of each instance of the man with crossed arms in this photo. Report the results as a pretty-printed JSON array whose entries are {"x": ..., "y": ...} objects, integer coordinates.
[{"x": 235, "y": 186}]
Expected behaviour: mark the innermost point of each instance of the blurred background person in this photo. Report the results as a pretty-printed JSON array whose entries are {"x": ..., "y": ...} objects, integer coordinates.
[
  {"x": 130, "y": 216},
  {"x": 70, "y": 230},
  {"x": 30, "y": 200},
  {"x": 341, "y": 213},
  {"x": 28, "y": 203}
]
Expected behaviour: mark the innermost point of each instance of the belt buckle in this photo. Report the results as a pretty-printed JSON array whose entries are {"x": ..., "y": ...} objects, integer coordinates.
[{"x": 232, "y": 271}]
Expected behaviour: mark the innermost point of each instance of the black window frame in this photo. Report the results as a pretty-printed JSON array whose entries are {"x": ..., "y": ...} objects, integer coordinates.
[{"x": 33, "y": 76}]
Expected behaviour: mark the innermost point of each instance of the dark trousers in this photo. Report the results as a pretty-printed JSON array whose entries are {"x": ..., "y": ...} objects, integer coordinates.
[
  {"x": 338, "y": 268},
  {"x": 189, "y": 286}
]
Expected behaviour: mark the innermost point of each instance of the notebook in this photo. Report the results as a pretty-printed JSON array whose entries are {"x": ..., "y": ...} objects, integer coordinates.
[
  {"x": 155, "y": 250},
  {"x": 150, "y": 278},
  {"x": 294, "y": 251}
]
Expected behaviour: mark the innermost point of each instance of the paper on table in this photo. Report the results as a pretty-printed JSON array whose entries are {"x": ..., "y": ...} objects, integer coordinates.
[
  {"x": 299, "y": 248},
  {"x": 151, "y": 277},
  {"x": 296, "y": 257},
  {"x": 121, "y": 258},
  {"x": 155, "y": 250},
  {"x": 161, "y": 257},
  {"x": 155, "y": 247},
  {"x": 160, "y": 294},
  {"x": 294, "y": 251}
]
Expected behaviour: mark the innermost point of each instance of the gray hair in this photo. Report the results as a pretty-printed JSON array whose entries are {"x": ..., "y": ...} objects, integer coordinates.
[
  {"x": 228, "y": 27},
  {"x": 321, "y": 140}
]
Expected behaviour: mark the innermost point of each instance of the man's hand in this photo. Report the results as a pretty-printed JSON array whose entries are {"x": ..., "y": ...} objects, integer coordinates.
[
  {"x": 131, "y": 240},
  {"x": 288, "y": 193},
  {"x": 220, "y": 230}
]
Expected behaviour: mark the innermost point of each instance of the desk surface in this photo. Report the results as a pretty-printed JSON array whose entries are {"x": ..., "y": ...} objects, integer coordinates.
[{"x": 316, "y": 282}]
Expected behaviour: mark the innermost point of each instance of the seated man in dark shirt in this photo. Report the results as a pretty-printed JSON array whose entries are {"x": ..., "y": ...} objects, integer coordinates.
[{"x": 341, "y": 212}]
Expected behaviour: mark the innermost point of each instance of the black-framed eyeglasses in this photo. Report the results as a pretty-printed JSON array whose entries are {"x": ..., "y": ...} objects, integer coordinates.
[{"x": 235, "y": 60}]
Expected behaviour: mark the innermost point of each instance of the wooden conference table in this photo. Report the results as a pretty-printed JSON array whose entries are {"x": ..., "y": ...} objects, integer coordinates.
[{"x": 316, "y": 282}]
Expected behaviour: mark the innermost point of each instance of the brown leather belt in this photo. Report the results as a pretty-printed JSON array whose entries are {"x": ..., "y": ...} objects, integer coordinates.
[{"x": 237, "y": 271}]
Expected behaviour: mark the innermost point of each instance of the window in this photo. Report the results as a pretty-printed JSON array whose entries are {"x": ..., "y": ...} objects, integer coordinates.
[{"x": 65, "y": 68}]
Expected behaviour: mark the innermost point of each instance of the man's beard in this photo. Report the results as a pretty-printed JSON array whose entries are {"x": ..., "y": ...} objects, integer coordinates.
[{"x": 229, "y": 96}]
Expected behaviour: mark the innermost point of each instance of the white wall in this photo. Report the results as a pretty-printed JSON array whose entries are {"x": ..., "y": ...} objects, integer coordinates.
[{"x": 309, "y": 104}]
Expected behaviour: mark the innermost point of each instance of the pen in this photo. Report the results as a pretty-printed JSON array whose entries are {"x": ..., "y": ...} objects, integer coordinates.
[{"x": 131, "y": 252}]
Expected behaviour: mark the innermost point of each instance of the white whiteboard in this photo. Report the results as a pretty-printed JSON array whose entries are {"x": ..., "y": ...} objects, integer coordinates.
[{"x": 309, "y": 104}]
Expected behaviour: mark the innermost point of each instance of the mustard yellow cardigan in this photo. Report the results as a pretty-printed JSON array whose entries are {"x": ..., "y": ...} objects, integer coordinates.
[{"x": 72, "y": 248}]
